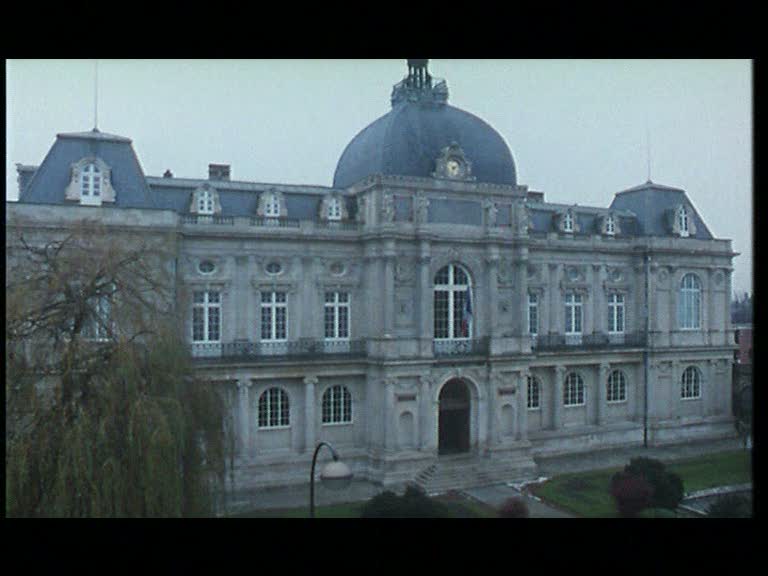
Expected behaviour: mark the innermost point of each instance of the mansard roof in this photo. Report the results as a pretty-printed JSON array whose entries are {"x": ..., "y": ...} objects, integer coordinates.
[
  {"x": 51, "y": 178},
  {"x": 652, "y": 202}
]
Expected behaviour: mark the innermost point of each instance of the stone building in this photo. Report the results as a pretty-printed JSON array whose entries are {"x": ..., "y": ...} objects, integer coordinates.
[{"x": 427, "y": 307}]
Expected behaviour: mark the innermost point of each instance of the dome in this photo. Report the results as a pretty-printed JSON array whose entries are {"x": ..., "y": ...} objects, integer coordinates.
[{"x": 409, "y": 139}]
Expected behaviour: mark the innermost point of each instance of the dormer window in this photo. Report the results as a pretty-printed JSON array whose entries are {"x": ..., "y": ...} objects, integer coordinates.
[
  {"x": 682, "y": 221},
  {"x": 568, "y": 222},
  {"x": 272, "y": 206},
  {"x": 205, "y": 202},
  {"x": 334, "y": 209},
  {"x": 90, "y": 181},
  {"x": 610, "y": 225}
]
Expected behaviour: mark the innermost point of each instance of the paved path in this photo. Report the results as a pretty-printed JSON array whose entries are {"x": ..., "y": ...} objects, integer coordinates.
[{"x": 495, "y": 496}]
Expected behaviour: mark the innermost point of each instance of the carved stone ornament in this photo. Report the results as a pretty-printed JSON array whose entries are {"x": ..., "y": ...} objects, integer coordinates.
[
  {"x": 421, "y": 208},
  {"x": 574, "y": 273},
  {"x": 615, "y": 274},
  {"x": 505, "y": 273},
  {"x": 405, "y": 272},
  {"x": 361, "y": 206},
  {"x": 662, "y": 275},
  {"x": 533, "y": 270},
  {"x": 387, "y": 208},
  {"x": 491, "y": 211},
  {"x": 453, "y": 164},
  {"x": 74, "y": 188}
]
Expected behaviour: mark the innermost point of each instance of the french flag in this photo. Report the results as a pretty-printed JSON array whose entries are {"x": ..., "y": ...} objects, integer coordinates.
[{"x": 467, "y": 316}]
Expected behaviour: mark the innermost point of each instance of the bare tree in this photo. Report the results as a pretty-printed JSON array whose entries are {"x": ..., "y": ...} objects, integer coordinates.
[{"x": 104, "y": 416}]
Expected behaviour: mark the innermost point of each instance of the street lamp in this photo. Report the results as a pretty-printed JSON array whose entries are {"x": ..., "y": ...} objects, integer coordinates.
[{"x": 336, "y": 475}]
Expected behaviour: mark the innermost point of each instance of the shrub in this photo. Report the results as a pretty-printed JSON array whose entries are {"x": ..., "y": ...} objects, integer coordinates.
[
  {"x": 667, "y": 486},
  {"x": 731, "y": 506},
  {"x": 414, "y": 503},
  {"x": 632, "y": 493},
  {"x": 514, "y": 508},
  {"x": 657, "y": 513}
]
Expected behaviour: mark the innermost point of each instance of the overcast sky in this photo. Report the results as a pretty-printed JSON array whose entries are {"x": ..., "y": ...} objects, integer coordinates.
[{"x": 577, "y": 129}]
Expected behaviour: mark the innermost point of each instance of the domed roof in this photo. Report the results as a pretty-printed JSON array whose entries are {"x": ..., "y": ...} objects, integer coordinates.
[{"x": 409, "y": 139}]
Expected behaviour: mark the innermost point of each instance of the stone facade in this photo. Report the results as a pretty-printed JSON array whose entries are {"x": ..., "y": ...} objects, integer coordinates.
[{"x": 394, "y": 237}]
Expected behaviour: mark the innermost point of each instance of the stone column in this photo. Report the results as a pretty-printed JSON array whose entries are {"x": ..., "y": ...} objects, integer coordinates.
[
  {"x": 424, "y": 412},
  {"x": 555, "y": 314},
  {"x": 712, "y": 390},
  {"x": 708, "y": 307},
  {"x": 492, "y": 388},
  {"x": 388, "y": 287},
  {"x": 521, "y": 279},
  {"x": 426, "y": 300},
  {"x": 601, "y": 392},
  {"x": 492, "y": 298},
  {"x": 390, "y": 439},
  {"x": 675, "y": 390},
  {"x": 309, "y": 413},
  {"x": 557, "y": 396},
  {"x": 522, "y": 405},
  {"x": 241, "y": 291},
  {"x": 598, "y": 301},
  {"x": 243, "y": 401}
]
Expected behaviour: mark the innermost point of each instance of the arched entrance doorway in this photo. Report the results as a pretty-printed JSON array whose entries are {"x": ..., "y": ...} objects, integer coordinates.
[{"x": 453, "y": 423}]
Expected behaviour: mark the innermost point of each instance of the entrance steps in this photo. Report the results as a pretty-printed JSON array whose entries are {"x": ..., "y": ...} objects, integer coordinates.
[{"x": 458, "y": 472}]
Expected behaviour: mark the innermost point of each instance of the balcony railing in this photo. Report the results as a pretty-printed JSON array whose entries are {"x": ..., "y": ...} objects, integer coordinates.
[
  {"x": 275, "y": 222},
  {"x": 207, "y": 219},
  {"x": 307, "y": 348},
  {"x": 463, "y": 347},
  {"x": 338, "y": 225},
  {"x": 587, "y": 341}
]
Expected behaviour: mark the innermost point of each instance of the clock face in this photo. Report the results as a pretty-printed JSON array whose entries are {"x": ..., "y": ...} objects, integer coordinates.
[{"x": 453, "y": 167}]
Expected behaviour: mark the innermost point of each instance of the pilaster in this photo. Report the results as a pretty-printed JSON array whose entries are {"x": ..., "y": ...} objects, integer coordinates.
[
  {"x": 557, "y": 396},
  {"x": 243, "y": 400},
  {"x": 601, "y": 392},
  {"x": 522, "y": 404},
  {"x": 309, "y": 413}
]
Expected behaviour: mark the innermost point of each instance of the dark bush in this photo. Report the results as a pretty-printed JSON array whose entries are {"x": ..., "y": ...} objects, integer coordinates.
[
  {"x": 514, "y": 508},
  {"x": 631, "y": 493},
  {"x": 731, "y": 506},
  {"x": 657, "y": 513},
  {"x": 414, "y": 503},
  {"x": 667, "y": 486}
]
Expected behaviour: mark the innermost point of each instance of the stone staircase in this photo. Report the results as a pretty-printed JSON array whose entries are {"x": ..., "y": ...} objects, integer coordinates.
[{"x": 464, "y": 471}]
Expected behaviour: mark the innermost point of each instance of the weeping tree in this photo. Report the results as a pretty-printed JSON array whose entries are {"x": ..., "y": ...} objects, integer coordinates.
[{"x": 104, "y": 416}]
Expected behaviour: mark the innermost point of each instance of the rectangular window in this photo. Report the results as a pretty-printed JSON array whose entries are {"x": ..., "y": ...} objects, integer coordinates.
[
  {"x": 336, "y": 315},
  {"x": 206, "y": 316},
  {"x": 616, "y": 314},
  {"x": 441, "y": 314},
  {"x": 533, "y": 313},
  {"x": 274, "y": 316},
  {"x": 96, "y": 325},
  {"x": 573, "y": 313}
]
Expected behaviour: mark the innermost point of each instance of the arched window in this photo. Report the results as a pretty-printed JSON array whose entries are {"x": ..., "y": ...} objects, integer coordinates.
[
  {"x": 334, "y": 209},
  {"x": 272, "y": 206},
  {"x": 205, "y": 202},
  {"x": 90, "y": 180},
  {"x": 617, "y": 387},
  {"x": 573, "y": 390},
  {"x": 273, "y": 409},
  {"x": 534, "y": 393},
  {"x": 689, "y": 304},
  {"x": 337, "y": 405},
  {"x": 691, "y": 384},
  {"x": 453, "y": 303},
  {"x": 682, "y": 221}
]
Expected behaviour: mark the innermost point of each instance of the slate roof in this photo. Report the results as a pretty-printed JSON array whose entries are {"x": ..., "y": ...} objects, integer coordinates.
[
  {"x": 49, "y": 181},
  {"x": 651, "y": 202},
  {"x": 407, "y": 140}
]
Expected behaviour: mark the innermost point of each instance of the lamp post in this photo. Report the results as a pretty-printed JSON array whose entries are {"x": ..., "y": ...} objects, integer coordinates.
[{"x": 336, "y": 475}]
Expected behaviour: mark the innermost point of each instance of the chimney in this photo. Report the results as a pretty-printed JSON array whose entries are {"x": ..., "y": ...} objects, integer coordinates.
[
  {"x": 168, "y": 174},
  {"x": 218, "y": 172}
]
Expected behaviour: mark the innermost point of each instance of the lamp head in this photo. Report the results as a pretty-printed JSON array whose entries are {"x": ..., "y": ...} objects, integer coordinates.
[{"x": 336, "y": 475}]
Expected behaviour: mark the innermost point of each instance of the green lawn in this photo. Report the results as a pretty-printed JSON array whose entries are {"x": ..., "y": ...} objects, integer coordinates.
[
  {"x": 586, "y": 494},
  {"x": 456, "y": 508}
]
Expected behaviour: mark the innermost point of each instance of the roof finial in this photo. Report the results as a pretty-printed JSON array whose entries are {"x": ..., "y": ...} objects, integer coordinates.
[
  {"x": 95, "y": 95},
  {"x": 418, "y": 76},
  {"x": 648, "y": 147}
]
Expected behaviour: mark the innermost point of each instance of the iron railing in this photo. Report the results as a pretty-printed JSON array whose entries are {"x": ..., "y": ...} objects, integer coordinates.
[
  {"x": 587, "y": 341},
  {"x": 275, "y": 222},
  {"x": 463, "y": 347},
  {"x": 207, "y": 219},
  {"x": 304, "y": 347}
]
